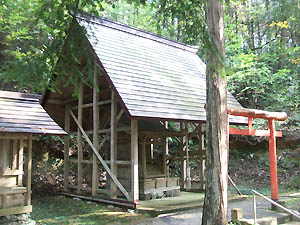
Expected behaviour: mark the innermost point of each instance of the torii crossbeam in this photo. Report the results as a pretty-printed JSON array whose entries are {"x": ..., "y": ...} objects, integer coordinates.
[{"x": 271, "y": 133}]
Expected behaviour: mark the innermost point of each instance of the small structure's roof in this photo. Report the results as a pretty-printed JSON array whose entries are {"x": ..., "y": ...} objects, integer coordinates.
[
  {"x": 22, "y": 113},
  {"x": 153, "y": 76}
]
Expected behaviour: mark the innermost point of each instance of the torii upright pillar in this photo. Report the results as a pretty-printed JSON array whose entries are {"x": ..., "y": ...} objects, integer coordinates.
[{"x": 271, "y": 133}]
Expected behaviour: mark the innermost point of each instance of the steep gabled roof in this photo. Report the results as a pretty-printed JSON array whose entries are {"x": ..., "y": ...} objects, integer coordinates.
[
  {"x": 153, "y": 76},
  {"x": 22, "y": 113}
]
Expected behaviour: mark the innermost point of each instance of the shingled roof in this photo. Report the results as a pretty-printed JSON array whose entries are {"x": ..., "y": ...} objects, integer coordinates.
[
  {"x": 153, "y": 76},
  {"x": 22, "y": 113}
]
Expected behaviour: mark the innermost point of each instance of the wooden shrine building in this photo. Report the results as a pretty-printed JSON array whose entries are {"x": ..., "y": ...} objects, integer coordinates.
[
  {"x": 21, "y": 117},
  {"x": 140, "y": 82}
]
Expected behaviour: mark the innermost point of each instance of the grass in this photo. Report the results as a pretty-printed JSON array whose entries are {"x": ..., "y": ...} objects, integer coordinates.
[
  {"x": 293, "y": 204},
  {"x": 61, "y": 210}
]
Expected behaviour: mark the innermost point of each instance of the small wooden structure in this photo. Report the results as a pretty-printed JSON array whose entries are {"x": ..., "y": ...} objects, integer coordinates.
[
  {"x": 140, "y": 82},
  {"x": 271, "y": 133},
  {"x": 21, "y": 117}
]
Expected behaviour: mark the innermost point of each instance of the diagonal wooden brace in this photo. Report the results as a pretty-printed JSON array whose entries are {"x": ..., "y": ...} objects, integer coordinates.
[{"x": 113, "y": 177}]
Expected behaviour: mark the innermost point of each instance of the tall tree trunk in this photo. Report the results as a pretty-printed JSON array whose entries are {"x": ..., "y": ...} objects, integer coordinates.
[{"x": 215, "y": 203}]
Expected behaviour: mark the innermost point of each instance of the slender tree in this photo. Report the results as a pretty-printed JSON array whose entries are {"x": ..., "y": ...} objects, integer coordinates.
[{"x": 215, "y": 203}]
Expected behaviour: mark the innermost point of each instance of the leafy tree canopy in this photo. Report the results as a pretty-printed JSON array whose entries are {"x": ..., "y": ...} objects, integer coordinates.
[{"x": 262, "y": 42}]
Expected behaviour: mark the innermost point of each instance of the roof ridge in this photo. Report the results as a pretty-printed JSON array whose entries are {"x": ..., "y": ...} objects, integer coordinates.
[{"x": 135, "y": 31}]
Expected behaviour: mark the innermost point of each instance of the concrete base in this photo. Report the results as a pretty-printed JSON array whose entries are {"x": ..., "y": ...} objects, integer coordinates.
[{"x": 186, "y": 201}]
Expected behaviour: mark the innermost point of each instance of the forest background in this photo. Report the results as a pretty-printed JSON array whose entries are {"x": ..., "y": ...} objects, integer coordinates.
[{"x": 262, "y": 43}]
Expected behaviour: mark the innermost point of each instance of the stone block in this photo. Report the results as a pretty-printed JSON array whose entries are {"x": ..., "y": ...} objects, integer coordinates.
[{"x": 236, "y": 214}]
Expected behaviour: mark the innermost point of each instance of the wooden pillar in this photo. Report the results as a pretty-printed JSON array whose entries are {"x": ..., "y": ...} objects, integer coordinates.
[
  {"x": 66, "y": 148},
  {"x": 182, "y": 160},
  {"x": 79, "y": 138},
  {"x": 273, "y": 160},
  {"x": 29, "y": 167},
  {"x": 144, "y": 158},
  {"x": 201, "y": 149},
  {"x": 134, "y": 162},
  {"x": 96, "y": 126},
  {"x": 113, "y": 143},
  {"x": 5, "y": 150},
  {"x": 15, "y": 154},
  {"x": 167, "y": 148},
  {"x": 188, "y": 169},
  {"x": 21, "y": 161},
  {"x": 164, "y": 158}
]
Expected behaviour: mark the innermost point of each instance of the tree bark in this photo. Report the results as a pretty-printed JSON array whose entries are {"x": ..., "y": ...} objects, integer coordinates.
[{"x": 215, "y": 203}]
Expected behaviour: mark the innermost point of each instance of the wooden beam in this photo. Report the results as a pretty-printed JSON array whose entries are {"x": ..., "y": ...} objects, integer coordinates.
[
  {"x": 98, "y": 103},
  {"x": 164, "y": 157},
  {"x": 118, "y": 162},
  {"x": 16, "y": 210},
  {"x": 114, "y": 178},
  {"x": 120, "y": 114},
  {"x": 29, "y": 167},
  {"x": 96, "y": 125},
  {"x": 20, "y": 162},
  {"x": 12, "y": 136},
  {"x": 134, "y": 162},
  {"x": 254, "y": 113},
  {"x": 119, "y": 129},
  {"x": 5, "y": 151},
  {"x": 182, "y": 159},
  {"x": 9, "y": 172},
  {"x": 113, "y": 143},
  {"x": 144, "y": 159},
  {"x": 167, "y": 148},
  {"x": 188, "y": 169},
  {"x": 162, "y": 133},
  {"x": 66, "y": 147},
  {"x": 79, "y": 138},
  {"x": 201, "y": 149},
  {"x": 15, "y": 154}
]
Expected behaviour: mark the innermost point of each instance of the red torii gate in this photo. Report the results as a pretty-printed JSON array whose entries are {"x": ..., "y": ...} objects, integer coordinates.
[{"x": 271, "y": 133}]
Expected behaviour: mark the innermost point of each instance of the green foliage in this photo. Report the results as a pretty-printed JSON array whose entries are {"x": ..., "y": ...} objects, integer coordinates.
[
  {"x": 262, "y": 43},
  {"x": 262, "y": 50}
]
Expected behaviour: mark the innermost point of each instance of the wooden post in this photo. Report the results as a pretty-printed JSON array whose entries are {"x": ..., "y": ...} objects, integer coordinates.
[
  {"x": 15, "y": 154},
  {"x": 113, "y": 143},
  {"x": 96, "y": 125},
  {"x": 164, "y": 158},
  {"x": 182, "y": 160},
  {"x": 5, "y": 151},
  {"x": 201, "y": 149},
  {"x": 144, "y": 159},
  {"x": 29, "y": 166},
  {"x": 79, "y": 138},
  {"x": 167, "y": 148},
  {"x": 134, "y": 162},
  {"x": 273, "y": 160},
  {"x": 66, "y": 148},
  {"x": 188, "y": 169},
  {"x": 21, "y": 162}
]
